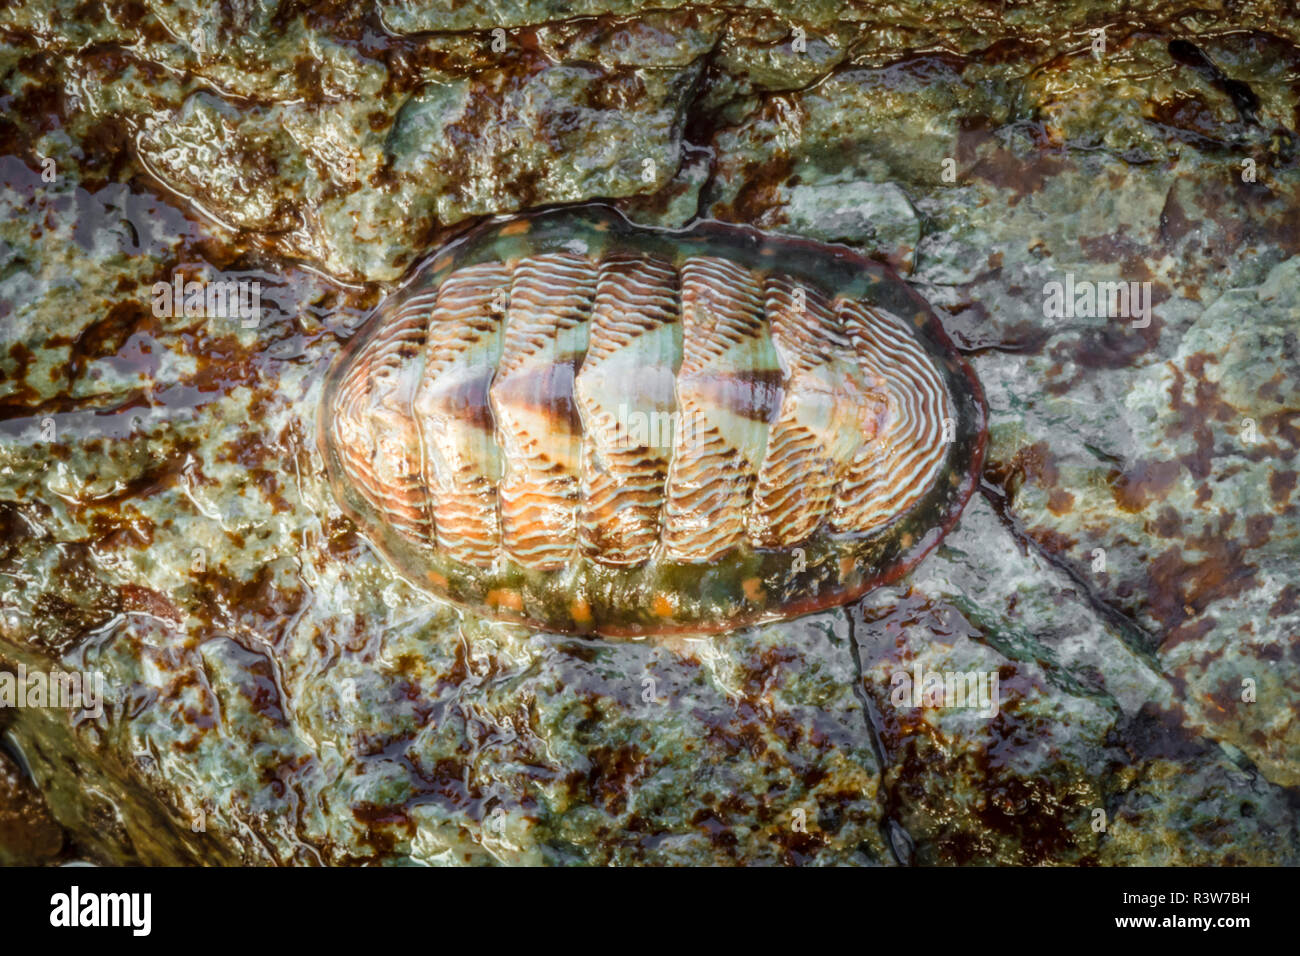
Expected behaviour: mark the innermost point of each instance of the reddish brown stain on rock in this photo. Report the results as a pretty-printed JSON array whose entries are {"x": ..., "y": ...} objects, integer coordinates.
[
  {"x": 1192, "y": 120},
  {"x": 1182, "y": 582},
  {"x": 142, "y": 600},
  {"x": 1060, "y": 502},
  {"x": 1018, "y": 176},
  {"x": 1142, "y": 483},
  {"x": 1288, "y": 601},
  {"x": 1034, "y": 463},
  {"x": 1051, "y": 540},
  {"x": 613, "y": 775},
  {"x": 1284, "y": 425},
  {"x": 1168, "y": 524},
  {"x": 759, "y": 199},
  {"x": 29, "y": 835},
  {"x": 1113, "y": 345}
]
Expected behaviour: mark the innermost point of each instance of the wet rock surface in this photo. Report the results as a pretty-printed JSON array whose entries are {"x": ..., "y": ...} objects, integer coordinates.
[
  {"x": 29, "y": 836},
  {"x": 272, "y": 693}
]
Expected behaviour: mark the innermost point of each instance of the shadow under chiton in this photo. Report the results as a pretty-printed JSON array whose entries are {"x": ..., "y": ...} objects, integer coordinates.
[{"x": 590, "y": 426}]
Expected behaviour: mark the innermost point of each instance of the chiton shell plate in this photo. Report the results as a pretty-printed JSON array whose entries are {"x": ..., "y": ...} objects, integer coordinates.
[{"x": 588, "y": 426}]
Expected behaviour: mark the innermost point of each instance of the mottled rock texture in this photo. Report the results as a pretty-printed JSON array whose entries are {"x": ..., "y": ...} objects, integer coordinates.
[{"x": 275, "y": 694}]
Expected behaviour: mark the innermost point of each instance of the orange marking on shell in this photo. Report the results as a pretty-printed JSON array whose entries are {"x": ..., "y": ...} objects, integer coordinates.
[
  {"x": 580, "y": 611},
  {"x": 663, "y": 605},
  {"x": 506, "y": 598}
]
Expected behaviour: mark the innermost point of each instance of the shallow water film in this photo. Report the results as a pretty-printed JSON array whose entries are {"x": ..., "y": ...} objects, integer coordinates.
[{"x": 202, "y": 660}]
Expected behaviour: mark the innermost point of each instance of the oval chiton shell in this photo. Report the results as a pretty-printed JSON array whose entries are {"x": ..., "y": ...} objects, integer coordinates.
[{"x": 584, "y": 425}]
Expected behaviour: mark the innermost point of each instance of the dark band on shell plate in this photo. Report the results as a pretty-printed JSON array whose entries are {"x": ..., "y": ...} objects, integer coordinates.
[{"x": 588, "y": 426}]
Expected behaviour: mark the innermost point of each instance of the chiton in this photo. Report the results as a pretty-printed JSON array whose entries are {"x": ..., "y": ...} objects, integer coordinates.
[{"x": 588, "y": 426}]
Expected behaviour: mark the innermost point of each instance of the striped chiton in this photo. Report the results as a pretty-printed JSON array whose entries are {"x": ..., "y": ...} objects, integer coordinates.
[{"x": 589, "y": 426}]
